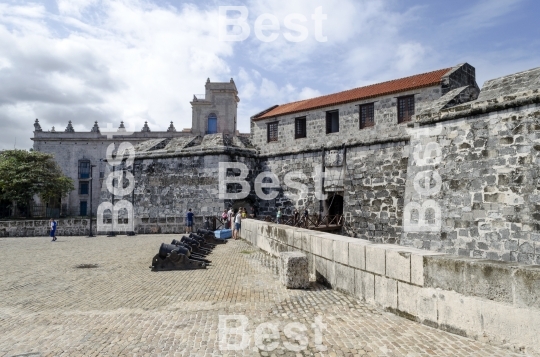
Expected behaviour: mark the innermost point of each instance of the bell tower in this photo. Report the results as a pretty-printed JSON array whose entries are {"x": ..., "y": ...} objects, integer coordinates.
[{"x": 216, "y": 110}]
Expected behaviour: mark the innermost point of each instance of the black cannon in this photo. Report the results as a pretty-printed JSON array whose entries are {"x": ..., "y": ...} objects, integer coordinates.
[
  {"x": 192, "y": 255},
  {"x": 210, "y": 237},
  {"x": 172, "y": 257},
  {"x": 202, "y": 240},
  {"x": 196, "y": 245}
]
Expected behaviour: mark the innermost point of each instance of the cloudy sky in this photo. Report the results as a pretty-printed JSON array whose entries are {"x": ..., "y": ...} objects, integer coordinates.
[{"x": 142, "y": 60}]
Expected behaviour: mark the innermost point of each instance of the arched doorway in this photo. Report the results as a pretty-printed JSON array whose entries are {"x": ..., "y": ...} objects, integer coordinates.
[{"x": 212, "y": 124}]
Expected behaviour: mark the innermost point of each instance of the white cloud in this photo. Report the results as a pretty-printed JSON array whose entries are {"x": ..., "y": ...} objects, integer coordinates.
[
  {"x": 74, "y": 7},
  {"x": 130, "y": 61},
  {"x": 308, "y": 93},
  {"x": 409, "y": 55}
]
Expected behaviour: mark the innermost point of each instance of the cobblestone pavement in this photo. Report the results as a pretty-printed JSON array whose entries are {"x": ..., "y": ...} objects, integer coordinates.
[{"x": 49, "y": 307}]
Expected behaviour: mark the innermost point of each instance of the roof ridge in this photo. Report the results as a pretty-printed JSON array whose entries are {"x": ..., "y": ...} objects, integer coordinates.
[
  {"x": 370, "y": 85},
  {"x": 442, "y": 71}
]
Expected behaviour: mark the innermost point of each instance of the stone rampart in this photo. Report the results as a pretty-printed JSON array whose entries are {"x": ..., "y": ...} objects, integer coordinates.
[
  {"x": 470, "y": 297},
  {"x": 40, "y": 227}
]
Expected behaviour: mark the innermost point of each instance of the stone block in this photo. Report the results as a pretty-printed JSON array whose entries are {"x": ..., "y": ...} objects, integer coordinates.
[
  {"x": 297, "y": 238},
  {"x": 527, "y": 287},
  {"x": 341, "y": 251},
  {"x": 417, "y": 264},
  {"x": 306, "y": 241},
  {"x": 407, "y": 298},
  {"x": 398, "y": 265},
  {"x": 344, "y": 280},
  {"x": 417, "y": 269},
  {"x": 284, "y": 235},
  {"x": 331, "y": 272},
  {"x": 427, "y": 306},
  {"x": 376, "y": 258},
  {"x": 385, "y": 292},
  {"x": 489, "y": 279},
  {"x": 315, "y": 244},
  {"x": 459, "y": 314},
  {"x": 511, "y": 325},
  {"x": 327, "y": 248},
  {"x": 320, "y": 266},
  {"x": 293, "y": 271},
  {"x": 364, "y": 286},
  {"x": 357, "y": 253}
]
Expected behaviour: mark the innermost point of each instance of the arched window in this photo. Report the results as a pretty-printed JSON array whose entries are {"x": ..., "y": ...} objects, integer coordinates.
[{"x": 212, "y": 124}]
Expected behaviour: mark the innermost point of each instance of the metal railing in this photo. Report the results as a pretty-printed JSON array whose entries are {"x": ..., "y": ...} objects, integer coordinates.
[{"x": 309, "y": 222}]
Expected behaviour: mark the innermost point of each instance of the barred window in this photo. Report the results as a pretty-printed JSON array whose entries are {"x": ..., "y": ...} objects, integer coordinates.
[
  {"x": 272, "y": 131},
  {"x": 83, "y": 188},
  {"x": 405, "y": 108},
  {"x": 367, "y": 115},
  {"x": 332, "y": 121},
  {"x": 84, "y": 169},
  {"x": 300, "y": 128}
]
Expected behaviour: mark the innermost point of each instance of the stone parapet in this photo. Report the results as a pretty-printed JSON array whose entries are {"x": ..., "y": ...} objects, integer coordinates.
[
  {"x": 468, "y": 297},
  {"x": 41, "y": 227}
]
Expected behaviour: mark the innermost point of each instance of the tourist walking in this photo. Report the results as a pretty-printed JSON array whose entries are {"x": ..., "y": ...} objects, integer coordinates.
[
  {"x": 225, "y": 218},
  {"x": 237, "y": 224},
  {"x": 53, "y": 224},
  {"x": 296, "y": 216},
  {"x": 305, "y": 217},
  {"x": 278, "y": 216},
  {"x": 230, "y": 218},
  {"x": 189, "y": 221}
]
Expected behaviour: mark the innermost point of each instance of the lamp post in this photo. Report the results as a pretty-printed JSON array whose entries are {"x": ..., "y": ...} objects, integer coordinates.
[{"x": 90, "y": 235}]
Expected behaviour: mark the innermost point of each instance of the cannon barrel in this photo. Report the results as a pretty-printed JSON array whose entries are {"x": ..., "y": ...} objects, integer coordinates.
[
  {"x": 177, "y": 242},
  {"x": 192, "y": 242},
  {"x": 197, "y": 248},
  {"x": 202, "y": 240},
  {"x": 168, "y": 248},
  {"x": 210, "y": 237},
  {"x": 204, "y": 232},
  {"x": 197, "y": 238},
  {"x": 192, "y": 255}
]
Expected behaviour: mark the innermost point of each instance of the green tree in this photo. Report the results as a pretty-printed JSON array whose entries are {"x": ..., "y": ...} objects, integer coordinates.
[{"x": 24, "y": 174}]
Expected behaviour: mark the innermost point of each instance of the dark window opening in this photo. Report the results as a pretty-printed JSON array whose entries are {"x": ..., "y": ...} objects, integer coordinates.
[
  {"x": 272, "y": 131},
  {"x": 334, "y": 205},
  {"x": 84, "y": 169},
  {"x": 83, "y": 188},
  {"x": 300, "y": 128},
  {"x": 332, "y": 122},
  {"x": 405, "y": 108},
  {"x": 83, "y": 208},
  {"x": 367, "y": 115}
]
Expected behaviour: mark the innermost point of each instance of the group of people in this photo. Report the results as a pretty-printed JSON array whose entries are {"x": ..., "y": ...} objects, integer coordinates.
[
  {"x": 296, "y": 216},
  {"x": 233, "y": 219}
]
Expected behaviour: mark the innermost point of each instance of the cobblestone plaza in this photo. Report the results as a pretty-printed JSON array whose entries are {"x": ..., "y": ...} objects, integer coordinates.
[{"x": 97, "y": 297}]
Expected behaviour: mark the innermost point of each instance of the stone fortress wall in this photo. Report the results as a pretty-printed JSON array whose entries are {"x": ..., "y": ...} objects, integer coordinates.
[
  {"x": 488, "y": 167},
  {"x": 486, "y": 142}
]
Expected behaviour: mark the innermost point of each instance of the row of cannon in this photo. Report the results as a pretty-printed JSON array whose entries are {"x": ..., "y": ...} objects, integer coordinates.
[{"x": 188, "y": 253}]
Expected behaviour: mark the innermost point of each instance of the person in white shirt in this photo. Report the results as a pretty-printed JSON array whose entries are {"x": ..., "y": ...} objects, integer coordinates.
[
  {"x": 230, "y": 218},
  {"x": 237, "y": 224}
]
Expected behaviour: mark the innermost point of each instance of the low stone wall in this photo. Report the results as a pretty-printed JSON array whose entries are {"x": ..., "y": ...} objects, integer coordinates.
[
  {"x": 80, "y": 227},
  {"x": 481, "y": 299},
  {"x": 41, "y": 227}
]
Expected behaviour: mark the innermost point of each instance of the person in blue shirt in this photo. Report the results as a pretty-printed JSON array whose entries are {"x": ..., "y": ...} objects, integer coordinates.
[
  {"x": 53, "y": 229},
  {"x": 189, "y": 221}
]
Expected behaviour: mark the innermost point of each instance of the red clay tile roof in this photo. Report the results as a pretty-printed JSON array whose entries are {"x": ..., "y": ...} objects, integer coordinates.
[{"x": 352, "y": 95}]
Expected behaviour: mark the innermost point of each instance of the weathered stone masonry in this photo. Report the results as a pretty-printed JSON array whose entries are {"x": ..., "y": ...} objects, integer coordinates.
[{"x": 489, "y": 165}]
